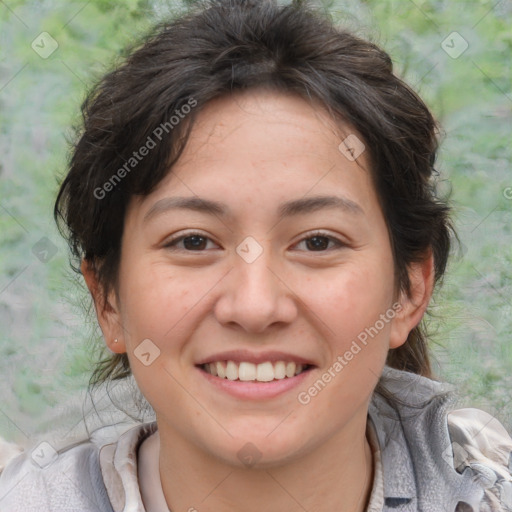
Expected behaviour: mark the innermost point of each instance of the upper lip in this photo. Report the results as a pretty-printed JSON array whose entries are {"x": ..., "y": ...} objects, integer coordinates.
[{"x": 240, "y": 355}]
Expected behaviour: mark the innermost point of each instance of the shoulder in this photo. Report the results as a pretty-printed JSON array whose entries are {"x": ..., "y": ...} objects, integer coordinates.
[
  {"x": 482, "y": 444},
  {"x": 43, "y": 479},
  {"x": 95, "y": 474},
  {"x": 450, "y": 455},
  {"x": 7, "y": 452}
]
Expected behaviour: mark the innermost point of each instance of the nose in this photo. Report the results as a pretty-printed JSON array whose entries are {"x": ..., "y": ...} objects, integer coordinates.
[{"x": 255, "y": 297}]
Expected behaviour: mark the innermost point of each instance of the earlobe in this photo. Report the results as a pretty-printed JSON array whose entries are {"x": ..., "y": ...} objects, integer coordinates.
[
  {"x": 107, "y": 311},
  {"x": 414, "y": 304}
]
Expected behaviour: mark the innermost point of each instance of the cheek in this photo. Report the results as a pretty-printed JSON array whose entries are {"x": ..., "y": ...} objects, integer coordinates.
[
  {"x": 353, "y": 299},
  {"x": 165, "y": 304},
  {"x": 153, "y": 300},
  {"x": 358, "y": 339}
]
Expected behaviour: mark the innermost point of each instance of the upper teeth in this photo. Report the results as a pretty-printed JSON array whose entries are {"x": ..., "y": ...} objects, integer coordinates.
[{"x": 263, "y": 372}]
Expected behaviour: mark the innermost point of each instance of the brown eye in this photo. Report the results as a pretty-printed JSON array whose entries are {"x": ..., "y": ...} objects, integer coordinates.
[
  {"x": 191, "y": 242},
  {"x": 194, "y": 242},
  {"x": 319, "y": 242}
]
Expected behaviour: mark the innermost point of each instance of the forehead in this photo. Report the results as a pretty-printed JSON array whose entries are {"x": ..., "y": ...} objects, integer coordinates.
[
  {"x": 260, "y": 146},
  {"x": 277, "y": 120}
]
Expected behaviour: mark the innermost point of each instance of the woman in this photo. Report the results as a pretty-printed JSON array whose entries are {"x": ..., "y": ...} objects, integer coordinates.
[{"x": 252, "y": 208}]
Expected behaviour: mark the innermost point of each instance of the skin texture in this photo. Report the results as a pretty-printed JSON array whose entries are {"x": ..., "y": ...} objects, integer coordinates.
[{"x": 254, "y": 151}]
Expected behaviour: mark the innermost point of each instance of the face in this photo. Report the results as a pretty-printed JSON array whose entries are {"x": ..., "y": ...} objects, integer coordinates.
[{"x": 264, "y": 246}]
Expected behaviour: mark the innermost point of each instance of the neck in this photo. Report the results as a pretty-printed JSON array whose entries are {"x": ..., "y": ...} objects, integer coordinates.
[{"x": 337, "y": 476}]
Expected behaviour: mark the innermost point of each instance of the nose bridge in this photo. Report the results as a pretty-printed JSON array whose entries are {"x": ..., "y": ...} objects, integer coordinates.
[
  {"x": 256, "y": 278},
  {"x": 255, "y": 283},
  {"x": 252, "y": 262},
  {"x": 254, "y": 296}
]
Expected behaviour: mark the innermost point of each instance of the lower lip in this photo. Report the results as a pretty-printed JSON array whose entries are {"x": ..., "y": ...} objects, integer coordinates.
[{"x": 253, "y": 390}]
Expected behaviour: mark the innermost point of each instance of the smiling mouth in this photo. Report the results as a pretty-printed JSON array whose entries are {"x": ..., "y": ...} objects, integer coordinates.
[{"x": 247, "y": 372}]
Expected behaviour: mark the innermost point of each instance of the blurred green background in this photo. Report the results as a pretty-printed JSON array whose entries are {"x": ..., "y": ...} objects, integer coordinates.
[{"x": 456, "y": 54}]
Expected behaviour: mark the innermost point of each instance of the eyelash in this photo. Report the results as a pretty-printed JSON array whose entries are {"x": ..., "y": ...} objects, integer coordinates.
[{"x": 171, "y": 244}]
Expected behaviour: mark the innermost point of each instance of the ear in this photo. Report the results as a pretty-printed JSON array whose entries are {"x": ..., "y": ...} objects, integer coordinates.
[
  {"x": 413, "y": 305},
  {"x": 107, "y": 311}
]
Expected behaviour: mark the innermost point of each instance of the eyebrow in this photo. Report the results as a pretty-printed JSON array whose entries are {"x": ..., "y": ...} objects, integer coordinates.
[{"x": 287, "y": 209}]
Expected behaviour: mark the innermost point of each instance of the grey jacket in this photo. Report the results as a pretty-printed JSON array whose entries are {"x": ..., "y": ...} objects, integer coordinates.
[{"x": 429, "y": 463}]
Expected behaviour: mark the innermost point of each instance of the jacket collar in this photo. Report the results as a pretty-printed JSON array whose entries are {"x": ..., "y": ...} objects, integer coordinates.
[
  {"x": 118, "y": 463},
  {"x": 415, "y": 446}
]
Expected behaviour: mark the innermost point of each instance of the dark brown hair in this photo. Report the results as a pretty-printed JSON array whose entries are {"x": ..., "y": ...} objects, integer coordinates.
[{"x": 222, "y": 46}]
